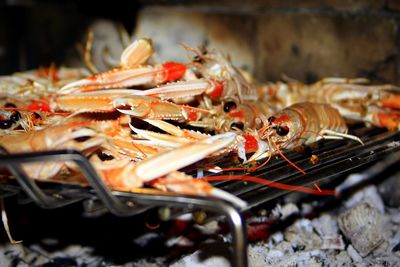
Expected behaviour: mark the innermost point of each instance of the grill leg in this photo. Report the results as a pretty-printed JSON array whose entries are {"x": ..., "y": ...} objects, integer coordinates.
[{"x": 237, "y": 226}]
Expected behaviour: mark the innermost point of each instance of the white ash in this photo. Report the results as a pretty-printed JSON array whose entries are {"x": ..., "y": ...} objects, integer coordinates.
[
  {"x": 351, "y": 180},
  {"x": 394, "y": 241},
  {"x": 327, "y": 228},
  {"x": 368, "y": 195},
  {"x": 285, "y": 211},
  {"x": 145, "y": 239},
  {"x": 288, "y": 210},
  {"x": 212, "y": 253},
  {"x": 34, "y": 255},
  {"x": 306, "y": 208},
  {"x": 394, "y": 215},
  {"x": 179, "y": 241},
  {"x": 394, "y": 144},
  {"x": 320, "y": 242},
  {"x": 302, "y": 234},
  {"x": 208, "y": 228},
  {"x": 354, "y": 254},
  {"x": 342, "y": 259},
  {"x": 257, "y": 255},
  {"x": 305, "y": 242},
  {"x": 276, "y": 238}
]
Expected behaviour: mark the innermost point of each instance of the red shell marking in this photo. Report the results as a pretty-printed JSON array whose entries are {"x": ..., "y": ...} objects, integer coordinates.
[
  {"x": 237, "y": 114},
  {"x": 192, "y": 114},
  {"x": 173, "y": 71},
  {"x": 251, "y": 144},
  {"x": 217, "y": 91},
  {"x": 48, "y": 72},
  {"x": 281, "y": 119},
  {"x": 39, "y": 105}
]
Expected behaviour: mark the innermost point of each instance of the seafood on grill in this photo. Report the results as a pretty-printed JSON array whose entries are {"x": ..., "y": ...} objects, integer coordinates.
[
  {"x": 121, "y": 170},
  {"x": 208, "y": 93},
  {"x": 213, "y": 95},
  {"x": 13, "y": 119},
  {"x": 75, "y": 136},
  {"x": 213, "y": 77},
  {"x": 39, "y": 83},
  {"x": 356, "y": 99},
  {"x": 130, "y": 72},
  {"x": 305, "y": 123},
  {"x": 160, "y": 171},
  {"x": 299, "y": 124}
]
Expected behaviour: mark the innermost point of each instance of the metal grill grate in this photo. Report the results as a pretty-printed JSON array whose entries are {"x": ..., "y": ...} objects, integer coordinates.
[{"x": 337, "y": 158}]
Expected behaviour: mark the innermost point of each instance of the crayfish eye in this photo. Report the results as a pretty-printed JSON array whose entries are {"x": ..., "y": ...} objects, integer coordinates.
[
  {"x": 229, "y": 106},
  {"x": 5, "y": 124},
  {"x": 104, "y": 156},
  {"x": 15, "y": 116},
  {"x": 36, "y": 116},
  {"x": 282, "y": 130},
  {"x": 238, "y": 125},
  {"x": 198, "y": 59}
]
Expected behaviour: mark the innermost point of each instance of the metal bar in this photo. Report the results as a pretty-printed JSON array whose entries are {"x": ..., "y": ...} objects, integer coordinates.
[
  {"x": 112, "y": 202},
  {"x": 376, "y": 147},
  {"x": 238, "y": 229},
  {"x": 13, "y": 161},
  {"x": 30, "y": 187}
]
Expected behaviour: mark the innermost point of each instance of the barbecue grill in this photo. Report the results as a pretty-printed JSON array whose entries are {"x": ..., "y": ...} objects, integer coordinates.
[
  {"x": 337, "y": 159},
  {"x": 376, "y": 159}
]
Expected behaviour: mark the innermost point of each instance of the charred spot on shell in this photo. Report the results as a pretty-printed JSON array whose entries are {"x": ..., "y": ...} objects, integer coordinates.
[
  {"x": 237, "y": 125},
  {"x": 6, "y": 124},
  {"x": 271, "y": 119},
  {"x": 10, "y": 105},
  {"x": 125, "y": 107},
  {"x": 82, "y": 138},
  {"x": 143, "y": 125}
]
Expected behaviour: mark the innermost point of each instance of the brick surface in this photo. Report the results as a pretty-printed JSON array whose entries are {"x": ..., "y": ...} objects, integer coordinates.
[
  {"x": 232, "y": 34},
  {"x": 309, "y": 47}
]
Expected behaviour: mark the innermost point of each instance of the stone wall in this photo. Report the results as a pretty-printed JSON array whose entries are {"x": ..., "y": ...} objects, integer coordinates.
[{"x": 303, "y": 40}]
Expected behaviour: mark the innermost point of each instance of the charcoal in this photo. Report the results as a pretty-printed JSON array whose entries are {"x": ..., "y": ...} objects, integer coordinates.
[{"x": 363, "y": 226}]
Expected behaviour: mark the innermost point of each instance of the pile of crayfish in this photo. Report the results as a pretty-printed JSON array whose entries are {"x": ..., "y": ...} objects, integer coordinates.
[{"x": 140, "y": 123}]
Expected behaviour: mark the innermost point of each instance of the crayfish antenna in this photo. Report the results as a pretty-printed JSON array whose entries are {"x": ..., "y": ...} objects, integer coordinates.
[
  {"x": 329, "y": 134},
  {"x": 269, "y": 183}
]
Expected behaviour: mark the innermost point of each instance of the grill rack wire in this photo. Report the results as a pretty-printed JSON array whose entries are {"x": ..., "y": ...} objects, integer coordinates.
[{"x": 338, "y": 158}]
